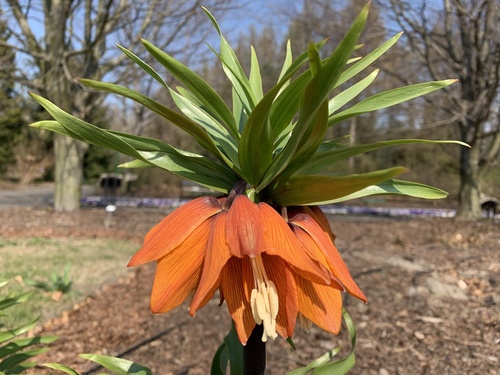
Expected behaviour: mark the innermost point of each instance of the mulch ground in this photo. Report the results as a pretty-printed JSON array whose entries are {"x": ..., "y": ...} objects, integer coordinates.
[{"x": 432, "y": 286}]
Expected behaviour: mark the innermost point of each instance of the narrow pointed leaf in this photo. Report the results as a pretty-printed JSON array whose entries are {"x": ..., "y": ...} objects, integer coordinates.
[
  {"x": 175, "y": 118},
  {"x": 202, "y": 90},
  {"x": 118, "y": 365},
  {"x": 367, "y": 60},
  {"x": 18, "y": 359},
  {"x": 186, "y": 165},
  {"x": 255, "y": 78},
  {"x": 144, "y": 66},
  {"x": 11, "y": 301},
  {"x": 12, "y": 333},
  {"x": 338, "y": 101},
  {"x": 315, "y": 93},
  {"x": 394, "y": 187},
  {"x": 66, "y": 369},
  {"x": 288, "y": 59},
  {"x": 389, "y": 98},
  {"x": 344, "y": 365},
  {"x": 324, "y": 159},
  {"x": 217, "y": 132},
  {"x": 313, "y": 189},
  {"x": 233, "y": 69},
  {"x": 20, "y": 344}
]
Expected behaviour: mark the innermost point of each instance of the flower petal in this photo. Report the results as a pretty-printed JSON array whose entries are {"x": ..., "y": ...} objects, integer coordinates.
[
  {"x": 232, "y": 285},
  {"x": 175, "y": 228},
  {"x": 323, "y": 243},
  {"x": 321, "y": 304},
  {"x": 281, "y": 275},
  {"x": 280, "y": 240},
  {"x": 217, "y": 254},
  {"x": 244, "y": 231},
  {"x": 178, "y": 272}
]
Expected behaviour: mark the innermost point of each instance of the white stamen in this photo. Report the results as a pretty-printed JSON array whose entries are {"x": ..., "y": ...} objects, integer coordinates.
[{"x": 264, "y": 299}]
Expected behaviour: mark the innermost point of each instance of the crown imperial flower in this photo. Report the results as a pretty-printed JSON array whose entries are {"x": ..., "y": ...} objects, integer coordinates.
[{"x": 268, "y": 268}]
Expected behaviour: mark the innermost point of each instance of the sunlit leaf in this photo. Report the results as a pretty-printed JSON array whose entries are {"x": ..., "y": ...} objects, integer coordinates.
[
  {"x": 339, "y": 100},
  {"x": 175, "y": 118},
  {"x": 119, "y": 366},
  {"x": 326, "y": 158},
  {"x": 317, "y": 189},
  {"x": 394, "y": 187},
  {"x": 367, "y": 60},
  {"x": 66, "y": 369},
  {"x": 255, "y": 78},
  {"x": 144, "y": 66},
  {"x": 202, "y": 90},
  {"x": 389, "y": 98}
]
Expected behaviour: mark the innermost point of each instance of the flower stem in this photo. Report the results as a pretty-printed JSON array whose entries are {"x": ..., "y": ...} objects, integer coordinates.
[{"x": 254, "y": 353}]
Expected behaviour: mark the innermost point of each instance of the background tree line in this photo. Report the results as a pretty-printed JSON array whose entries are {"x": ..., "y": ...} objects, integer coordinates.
[{"x": 443, "y": 39}]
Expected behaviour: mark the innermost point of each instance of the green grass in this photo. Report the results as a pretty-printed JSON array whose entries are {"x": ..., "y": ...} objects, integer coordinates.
[{"x": 93, "y": 262}]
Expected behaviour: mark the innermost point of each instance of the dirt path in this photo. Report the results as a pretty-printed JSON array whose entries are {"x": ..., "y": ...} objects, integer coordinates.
[{"x": 432, "y": 286}]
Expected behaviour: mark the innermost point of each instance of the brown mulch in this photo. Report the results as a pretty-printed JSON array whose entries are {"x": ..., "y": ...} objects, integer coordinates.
[{"x": 432, "y": 286}]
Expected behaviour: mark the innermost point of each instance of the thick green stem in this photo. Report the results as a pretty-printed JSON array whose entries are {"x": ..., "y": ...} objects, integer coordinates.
[{"x": 254, "y": 353}]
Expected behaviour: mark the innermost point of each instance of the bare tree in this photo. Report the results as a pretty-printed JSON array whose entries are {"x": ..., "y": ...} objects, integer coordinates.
[
  {"x": 60, "y": 40},
  {"x": 460, "y": 38}
]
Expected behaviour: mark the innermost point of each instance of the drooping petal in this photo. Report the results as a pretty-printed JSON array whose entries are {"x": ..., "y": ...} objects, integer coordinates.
[
  {"x": 217, "y": 254},
  {"x": 178, "y": 272},
  {"x": 244, "y": 231},
  {"x": 175, "y": 228},
  {"x": 280, "y": 240},
  {"x": 311, "y": 248},
  {"x": 239, "y": 308},
  {"x": 281, "y": 275},
  {"x": 321, "y": 304},
  {"x": 322, "y": 242},
  {"x": 320, "y": 217}
]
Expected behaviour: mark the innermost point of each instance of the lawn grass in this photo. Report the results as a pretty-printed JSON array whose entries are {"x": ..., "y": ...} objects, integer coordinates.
[{"x": 92, "y": 262}]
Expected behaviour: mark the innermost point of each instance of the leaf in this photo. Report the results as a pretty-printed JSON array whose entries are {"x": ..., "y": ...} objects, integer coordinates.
[
  {"x": 322, "y": 366},
  {"x": 344, "y": 365},
  {"x": 220, "y": 360},
  {"x": 18, "y": 359},
  {"x": 323, "y": 159},
  {"x": 314, "y": 95},
  {"x": 395, "y": 187},
  {"x": 389, "y": 98},
  {"x": 186, "y": 165},
  {"x": 316, "y": 189},
  {"x": 198, "y": 87},
  {"x": 20, "y": 344},
  {"x": 175, "y": 118},
  {"x": 217, "y": 132},
  {"x": 118, "y": 365},
  {"x": 235, "y": 349},
  {"x": 144, "y": 66},
  {"x": 11, "y": 301},
  {"x": 12, "y": 333},
  {"x": 233, "y": 70},
  {"x": 63, "y": 368},
  {"x": 314, "y": 134},
  {"x": 341, "y": 99},
  {"x": 317, "y": 362},
  {"x": 367, "y": 60},
  {"x": 255, "y": 78}
]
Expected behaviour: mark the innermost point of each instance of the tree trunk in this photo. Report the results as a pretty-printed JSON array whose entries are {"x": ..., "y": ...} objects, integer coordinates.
[
  {"x": 470, "y": 184},
  {"x": 69, "y": 155}
]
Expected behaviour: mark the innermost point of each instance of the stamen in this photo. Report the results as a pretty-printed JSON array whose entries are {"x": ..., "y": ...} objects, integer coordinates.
[{"x": 264, "y": 299}]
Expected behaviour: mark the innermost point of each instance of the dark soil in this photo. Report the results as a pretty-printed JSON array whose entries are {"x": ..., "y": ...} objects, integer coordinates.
[{"x": 432, "y": 286}]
